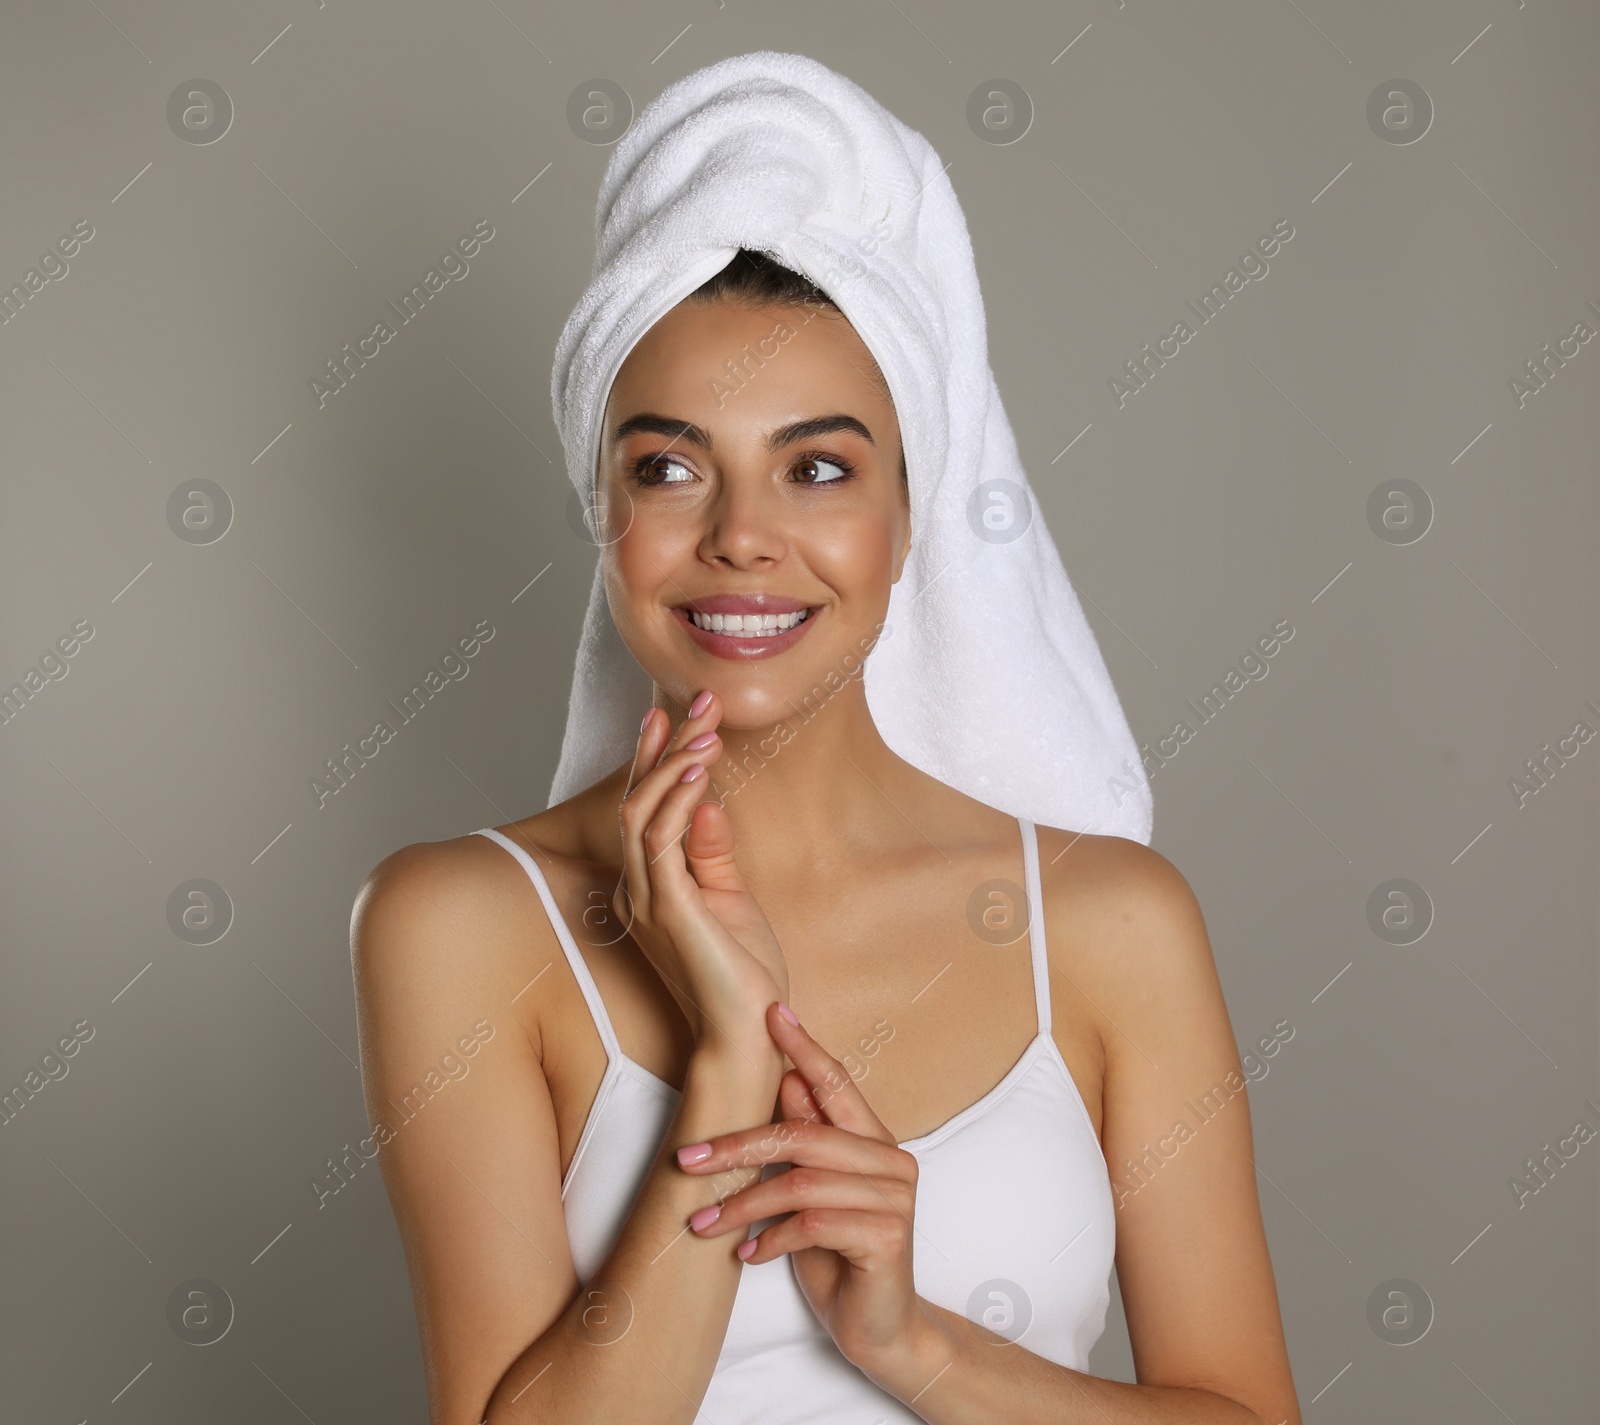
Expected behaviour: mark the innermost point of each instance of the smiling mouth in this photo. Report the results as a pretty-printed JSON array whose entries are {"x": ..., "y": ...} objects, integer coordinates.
[{"x": 746, "y": 627}]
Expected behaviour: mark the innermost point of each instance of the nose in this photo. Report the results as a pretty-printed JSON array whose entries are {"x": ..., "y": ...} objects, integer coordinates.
[{"x": 745, "y": 525}]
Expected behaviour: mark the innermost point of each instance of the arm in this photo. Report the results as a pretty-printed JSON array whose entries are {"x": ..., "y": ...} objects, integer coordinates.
[
  {"x": 1191, "y": 1255},
  {"x": 1192, "y": 1258},
  {"x": 474, "y": 1179}
]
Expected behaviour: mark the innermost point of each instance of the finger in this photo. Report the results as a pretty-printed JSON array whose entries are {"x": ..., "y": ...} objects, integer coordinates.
[
  {"x": 708, "y": 849},
  {"x": 657, "y": 738},
  {"x": 654, "y": 734},
  {"x": 835, "y": 1092},
  {"x": 860, "y": 1237},
  {"x": 672, "y": 757},
  {"x": 797, "y": 1190},
  {"x": 802, "y": 1143},
  {"x": 795, "y": 1100},
  {"x": 686, "y": 783}
]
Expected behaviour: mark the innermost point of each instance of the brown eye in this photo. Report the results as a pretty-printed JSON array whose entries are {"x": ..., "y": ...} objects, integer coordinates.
[
  {"x": 822, "y": 464},
  {"x": 647, "y": 473}
]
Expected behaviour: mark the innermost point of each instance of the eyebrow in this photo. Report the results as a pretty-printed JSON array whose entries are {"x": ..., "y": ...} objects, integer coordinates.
[{"x": 809, "y": 429}]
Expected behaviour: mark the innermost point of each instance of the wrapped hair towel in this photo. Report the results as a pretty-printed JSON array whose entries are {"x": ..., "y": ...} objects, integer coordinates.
[{"x": 987, "y": 675}]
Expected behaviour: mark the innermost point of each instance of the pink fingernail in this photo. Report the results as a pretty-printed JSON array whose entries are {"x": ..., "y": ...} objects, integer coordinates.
[
  {"x": 786, "y": 1014},
  {"x": 705, "y": 1217},
  {"x": 747, "y": 1250},
  {"x": 692, "y": 1153},
  {"x": 695, "y": 771},
  {"x": 701, "y": 703},
  {"x": 646, "y": 722},
  {"x": 704, "y": 740}
]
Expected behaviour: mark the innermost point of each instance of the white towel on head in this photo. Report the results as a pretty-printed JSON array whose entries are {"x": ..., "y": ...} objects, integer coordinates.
[{"x": 987, "y": 675}]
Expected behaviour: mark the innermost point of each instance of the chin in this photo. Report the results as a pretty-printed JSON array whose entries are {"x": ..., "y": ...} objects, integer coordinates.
[{"x": 761, "y": 682}]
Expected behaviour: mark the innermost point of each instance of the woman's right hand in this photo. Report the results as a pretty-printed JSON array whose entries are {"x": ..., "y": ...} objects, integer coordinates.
[{"x": 682, "y": 895}]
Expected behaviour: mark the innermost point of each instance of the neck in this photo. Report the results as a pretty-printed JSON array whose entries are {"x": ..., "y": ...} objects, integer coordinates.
[{"x": 806, "y": 791}]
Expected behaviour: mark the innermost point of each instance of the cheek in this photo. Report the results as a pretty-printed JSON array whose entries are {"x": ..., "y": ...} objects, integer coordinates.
[
  {"x": 855, "y": 557},
  {"x": 641, "y": 559}
]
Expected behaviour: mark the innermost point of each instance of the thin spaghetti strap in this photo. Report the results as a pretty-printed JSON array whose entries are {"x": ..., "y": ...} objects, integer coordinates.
[
  {"x": 1041, "y": 964},
  {"x": 569, "y": 946}
]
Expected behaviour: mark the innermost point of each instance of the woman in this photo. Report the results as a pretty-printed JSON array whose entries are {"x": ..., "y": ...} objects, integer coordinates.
[{"x": 659, "y": 1191}]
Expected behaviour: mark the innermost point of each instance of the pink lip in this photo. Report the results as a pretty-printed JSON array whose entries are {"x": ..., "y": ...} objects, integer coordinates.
[{"x": 740, "y": 649}]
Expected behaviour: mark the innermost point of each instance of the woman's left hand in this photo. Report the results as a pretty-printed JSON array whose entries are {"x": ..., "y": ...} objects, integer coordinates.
[{"x": 850, "y": 1195}]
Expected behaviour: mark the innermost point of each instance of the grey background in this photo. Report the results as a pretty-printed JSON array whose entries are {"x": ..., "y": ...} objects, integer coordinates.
[{"x": 369, "y": 535}]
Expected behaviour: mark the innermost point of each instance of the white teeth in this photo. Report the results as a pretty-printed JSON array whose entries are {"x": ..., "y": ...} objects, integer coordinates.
[{"x": 748, "y": 625}]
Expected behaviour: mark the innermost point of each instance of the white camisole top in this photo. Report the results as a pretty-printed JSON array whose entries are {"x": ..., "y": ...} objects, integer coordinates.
[{"x": 1015, "y": 1221}]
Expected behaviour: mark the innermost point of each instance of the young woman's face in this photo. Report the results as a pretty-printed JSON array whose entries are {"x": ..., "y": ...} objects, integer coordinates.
[{"x": 775, "y": 502}]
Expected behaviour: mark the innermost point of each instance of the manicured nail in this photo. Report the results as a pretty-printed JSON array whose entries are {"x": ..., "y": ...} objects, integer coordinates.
[
  {"x": 747, "y": 1250},
  {"x": 704, "y": 740},
  {"x": 646, "y": 722},
  {"x": 705, "y": 1217},
  {"x": 786, "y": 1014},
  {"x": 695, "y": 771},
  {"x": 700, "y": 703},
  {"x": 693, "y": 1153}
]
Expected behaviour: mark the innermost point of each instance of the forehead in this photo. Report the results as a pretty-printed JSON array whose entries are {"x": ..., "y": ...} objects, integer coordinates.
[{"x": 729, "y": 363}]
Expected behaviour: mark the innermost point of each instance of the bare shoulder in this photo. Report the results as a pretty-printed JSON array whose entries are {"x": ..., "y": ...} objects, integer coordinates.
[
  {"x": 1123, "y": 920},
  {"x": 444, "y": 936},
  {"x": 447, "y": 922},
  {"x": 1192, "y": 1260}
]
